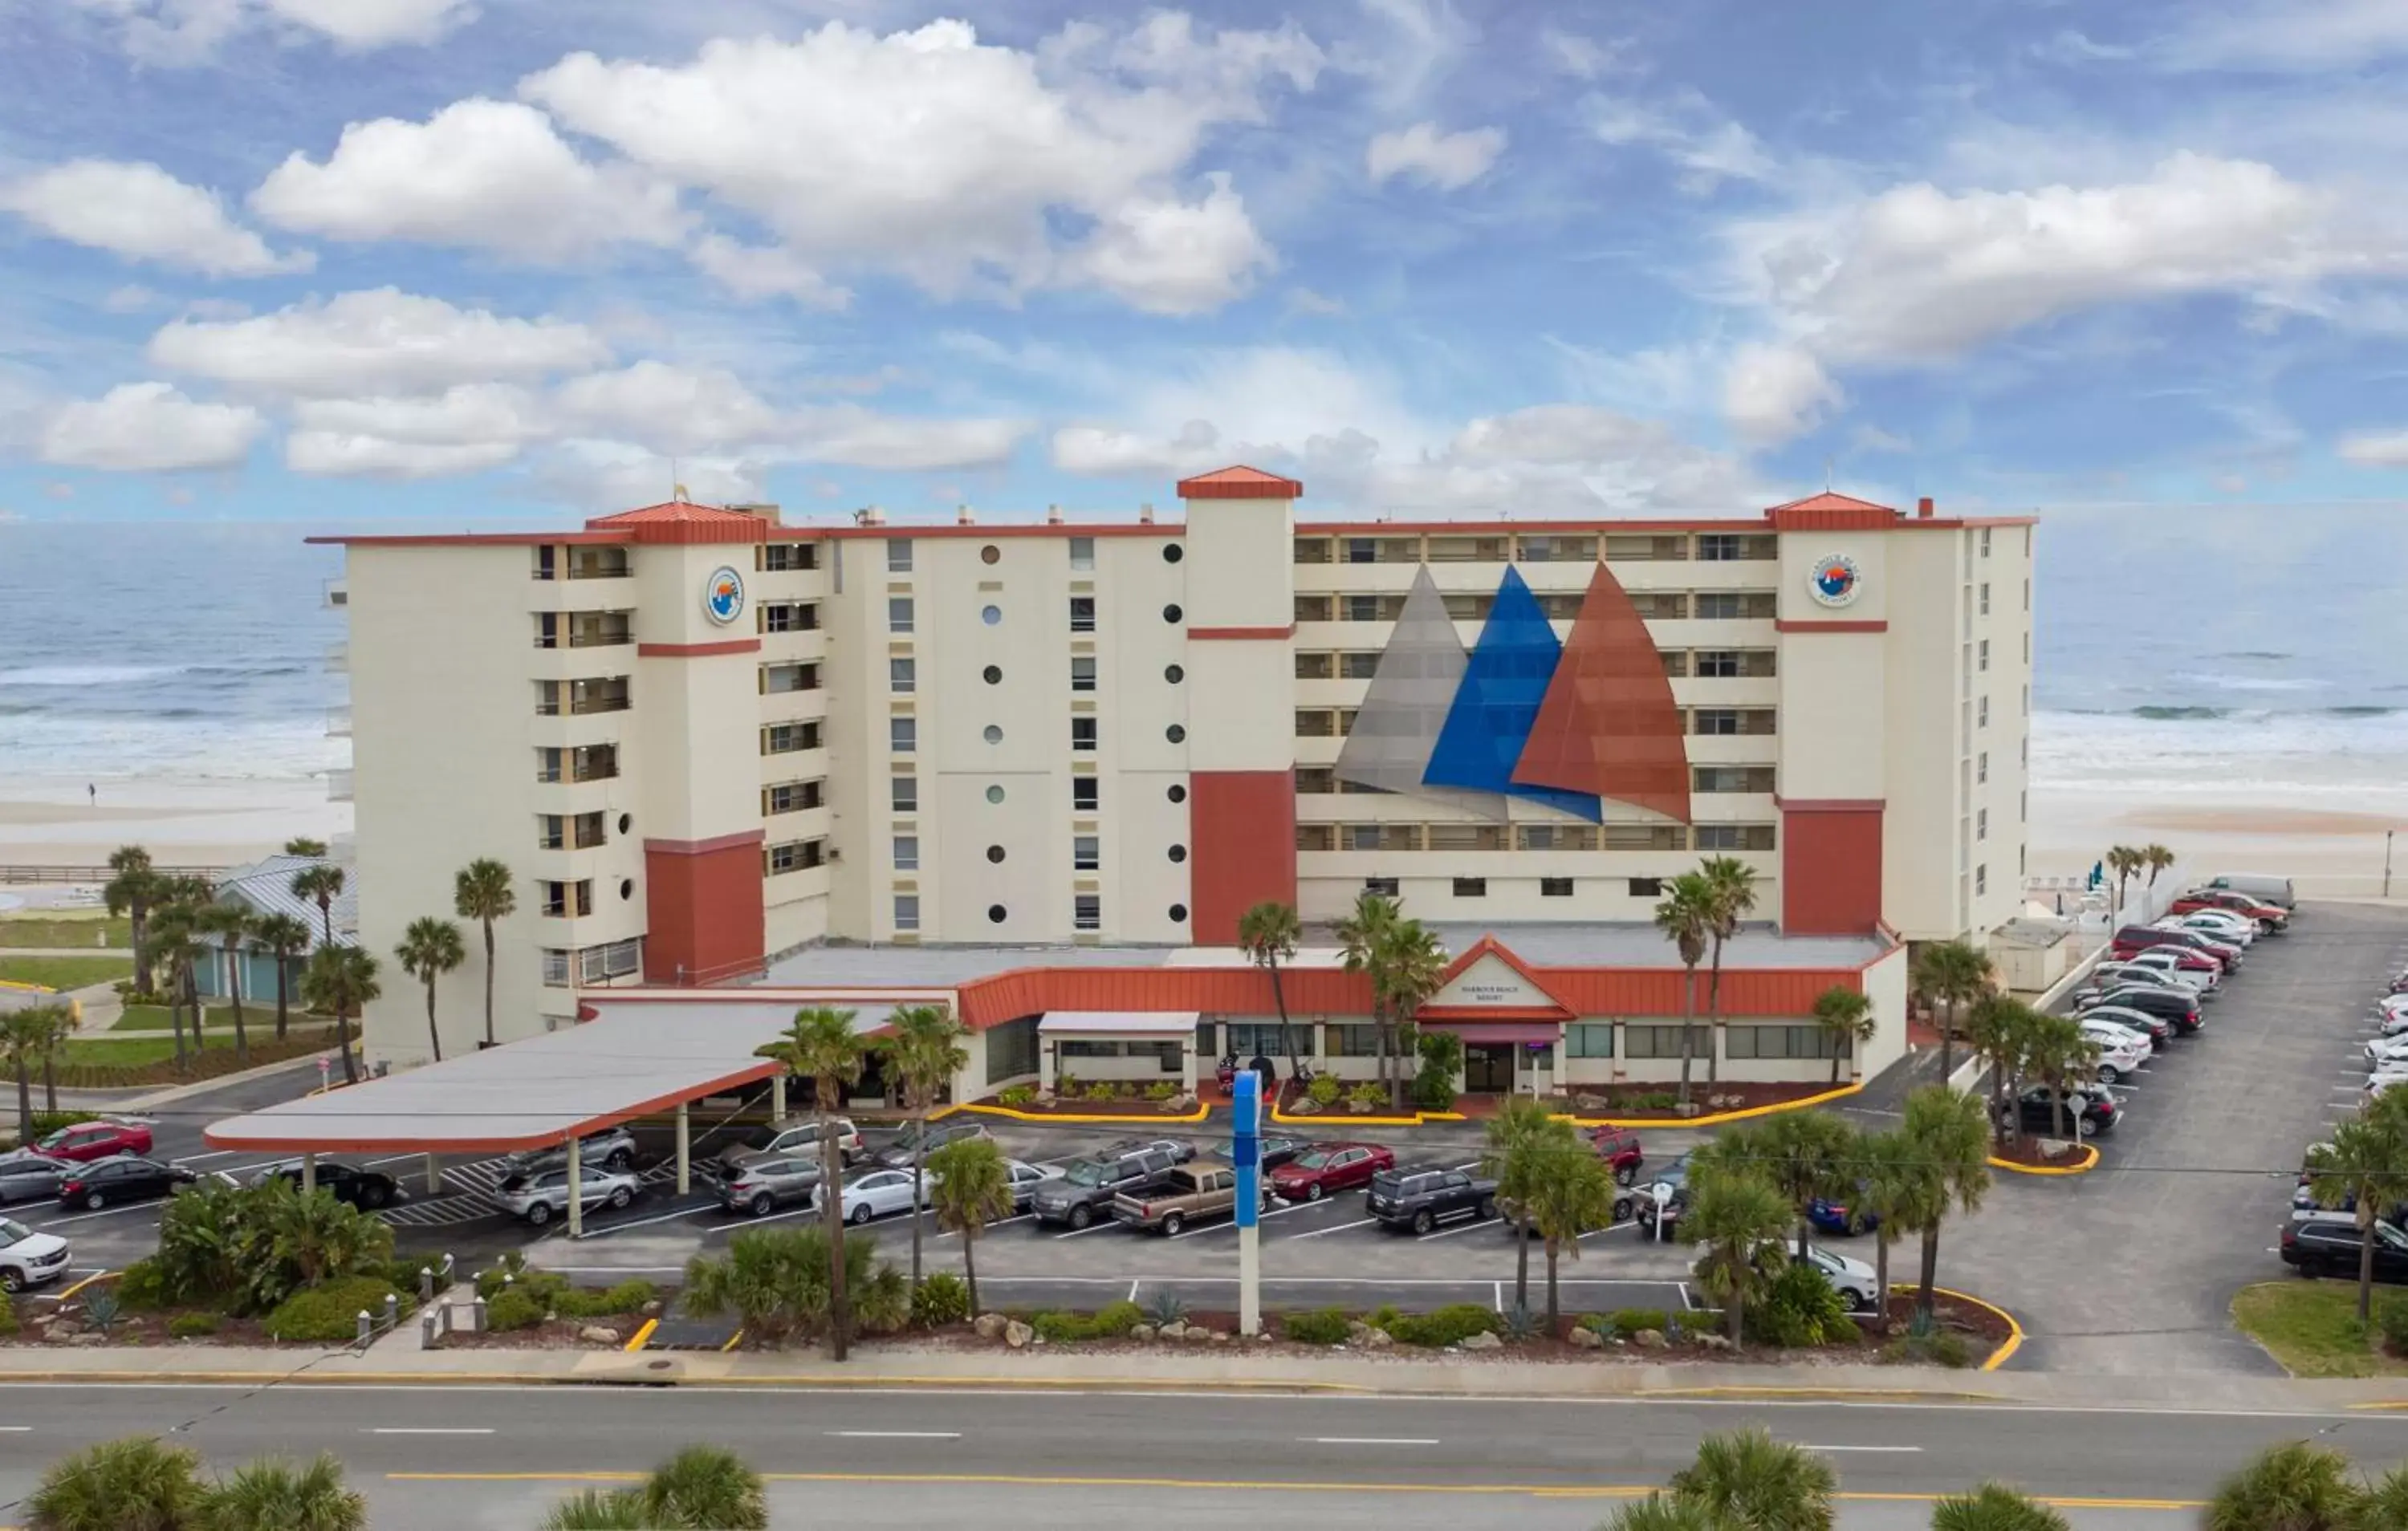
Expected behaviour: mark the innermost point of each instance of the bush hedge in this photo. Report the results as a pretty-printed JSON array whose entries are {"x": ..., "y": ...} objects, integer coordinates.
[
  {"x": 513, "y": 1309},
  {"x": 1317, "y": 1327},
  {"x": 1113, "y": 1321},
  {"x": 1448, "y": 1325},
  {"x": 942, "y": 1298},
  {"x": 329, "y": 1314},
  {"x": 1626, "y": 1321},
  {"x": 193, "y": 1325},
  {"x": 2392, "y": 1319}
]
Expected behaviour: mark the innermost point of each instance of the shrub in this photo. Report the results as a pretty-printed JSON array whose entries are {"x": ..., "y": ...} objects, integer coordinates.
[
  {"x": 2393, "y": 1319},
  {"x": 1801, "y": 1309},
  {"x": 102, "y": 1307},
  {"x": 137, "y": 1482},
  {"x": 1166, "y": 1310},
  {"x": 1950, "y": 1350},
  {"x": 1449, "y": 1325},
  {"x": 941, "y": 1299},
  {"x": 328, "y": 1314},
  {"x": 1434, "y": 1091},
  {"x": 139, "y": 1288},
  {"x": 1324, "y": 1090},
  {"x": 1161, "y": 1090},
  {"x": 587, "y": 1302},
  {"x": 246, "y": 1249},
  {"x": 774, "y": 1280},
  {"x": 1061, "y": 1328},
  {"x": 1368, "y": 1095},
  {"x": 1102, "y": 1090},
  {"x": 1626, "y": 1321},
  {"x": 1318, "y": 1326},
  {"x": 512, "y": 1310},
  {"x": 192, "y": 1326},
  {"x": 883, "y": 1304},
  {"x": 1943, "y": 1347},
  {"x": 1520, "y": 1323},
  {"x": 9, "y": 1323},
  {"x": 1114, "y": 1319},
  {"x": 489, "y": 1280},
  {"x": 1018, "y": 1094},
  {"x": 1385, "y": 1316}
]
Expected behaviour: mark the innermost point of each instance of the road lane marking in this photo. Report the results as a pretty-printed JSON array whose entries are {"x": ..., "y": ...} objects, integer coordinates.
[
  {"x": 647, "y": 1222},
  {"x": 1860, "y": 1448},
  {"x": 87, "y": 1217},
  {"x": 756, "y": 1222},
  {"x": 1337, "y": 1227},
  {"x": 196, "y": 1158},
  {"x": 1370, "y": 1440},
  {"x": 895, "y": 1435},
  {"x": 430, "y": 1430}
]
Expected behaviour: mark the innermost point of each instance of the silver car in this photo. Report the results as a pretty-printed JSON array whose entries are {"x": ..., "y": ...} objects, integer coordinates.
[
  {"x": 1025, "y": 1178},
  {"x": 759, "y": 1183},
  {"x": 28, "y": 1176},
  {"x": 614, "y": 1149},
  {"x": 878, "y": 1194},
  {"x": 543, "y": 1194}
]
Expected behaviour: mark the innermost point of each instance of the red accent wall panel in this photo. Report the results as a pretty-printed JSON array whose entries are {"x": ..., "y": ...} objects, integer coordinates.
[
  {"x": 1830, "y": 870},
  {"x": 1242, "y": 831},
  {"x": 1609, "y": 725},
  {"x": 703, "y": 907}
]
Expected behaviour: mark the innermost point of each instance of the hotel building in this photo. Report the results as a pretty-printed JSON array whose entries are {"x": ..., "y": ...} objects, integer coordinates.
[{"x": 712, "y": 746}]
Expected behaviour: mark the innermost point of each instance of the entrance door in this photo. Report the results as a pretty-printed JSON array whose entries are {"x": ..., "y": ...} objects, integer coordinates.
[{"x": 1488, "y": 1069}]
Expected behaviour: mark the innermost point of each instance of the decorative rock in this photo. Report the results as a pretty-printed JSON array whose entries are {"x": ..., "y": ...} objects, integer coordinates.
[
  {"x": 1175, "y": 1329},
  {"x": 989, "y": 1325},
  {"x": 1261, "y": 1337},
  {"x": 1649, "y": 1339},
  {"x": 1592, "y": 1104},
  {"x": 1713, "y": 1342},
  {"x": 598, "y": 1333},
  {"x": 652, "y": 1309},
  {"x": 1196, "y": 1333},
  {"x": 1177, "y": 1104},
  {"x": 1017, "y": 1334},
  {"x": 88, "y": 1338},
  {"x": 1140, "y": 1331},
  {"x": 1220, "y": 1338},
  {"x": 1584, "y": 1339},
  {"x": 1481, "y": 1341},
  {"x": 1305, "y": 1106},
  {"x": 1357, "y": 1329},
  {"x": 1379, "y": 1339}
]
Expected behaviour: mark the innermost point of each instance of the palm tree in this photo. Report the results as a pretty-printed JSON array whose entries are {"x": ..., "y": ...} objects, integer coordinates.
[
  {"x": 1804, "y": 1155},
  {"x": 23, "y": 1035},
  {"x": 1953, "y": 974},
  {"x": 1739, "y": 1220},
  {"x": 286, "y": 938},
  {"x": 1731, "y": 898},
  {"x": 2364, "y": 1162},
  {"x": 925, "y": 1052},
  {"x": 1686, "y": 919},
  {"x": 1570, "y": 1193},
  {"x": 2293, "y": 1487},
  {"x": 2157, "y": 859},
  {"x": 2123, "y": 862},
  {"x": 275, "y": 1495},
  {"x": 1415, "y": 966},
  {"x": 232, "y": 923},
  {"x": 59, "y": 1024},
  {"x": 429, "y": 949},
  {"x": 1269, "y": 933},
  {"x": 1749, "y": 1481},
  {"x": 822, "y": 1046},
  {"x": 707, "y": 1488},
  {"x": 2056, "y": 1053},
  {"x": 1657, "y": 1513},
  {"x": 321, "y": 884},
  {"x": 342, "y": 982},
  {"x": 2000, "y": 1028},
  {"x": 2386, "y": 1501},
  {"x": 599, "y": 1509},
  {"x": 1363, "y": 940},
  {"x": 1945, "y": 1133},
  {"x": 137, "y": 1482},
  {"x": 1888, "y": 1182},
  {"x": 482, "y": 892},
  {"x": 1847, "y": 1018},
  {"x": 1517, "y": 1135},
  {"x": 174, "y": 946},
  {"x": 301, "y": 845},
  {"x": 1995, "y": 1506},
  {"x": 972, "y": 1188},
  {"x": 132, "y": 891}
]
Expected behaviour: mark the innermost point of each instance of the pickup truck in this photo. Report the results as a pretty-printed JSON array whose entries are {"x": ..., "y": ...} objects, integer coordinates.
[{"x": 1207, "y": 1188}]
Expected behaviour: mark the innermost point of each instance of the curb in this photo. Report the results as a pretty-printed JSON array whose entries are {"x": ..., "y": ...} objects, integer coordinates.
[
  {"x": 2007, "y": 1347},
  {"x": 2084, "y": 1168},
  {"x": 1712, "y": 1119},
  {"x": 1203, "y": 1109}
]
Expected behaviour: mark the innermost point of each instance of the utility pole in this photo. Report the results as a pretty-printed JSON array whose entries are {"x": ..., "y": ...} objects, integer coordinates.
[
  {"x": 1246, "y": 1154},
  {"x": 2387, "y": 861}
]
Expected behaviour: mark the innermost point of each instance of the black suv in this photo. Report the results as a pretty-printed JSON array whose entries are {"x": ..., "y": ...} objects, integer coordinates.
[
  {"x": 2319, "y": 1247},
  {"x": 2177, "y": 1008},
  {"x": 2097, "y": 1110},
  {"x": 1085, "y": 1188},
  {"x": 1422, "y": 1196}
]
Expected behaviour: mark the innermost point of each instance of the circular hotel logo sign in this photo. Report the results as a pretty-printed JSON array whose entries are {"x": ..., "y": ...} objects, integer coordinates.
[
  {"x": 722, "y": 595},
  {"x": 1834, "y": 581}
]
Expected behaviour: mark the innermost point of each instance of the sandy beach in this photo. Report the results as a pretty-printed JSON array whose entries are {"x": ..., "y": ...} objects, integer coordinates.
[
  {"x": 2329, "y": 852},
  {"x": 220, "y": 822}
]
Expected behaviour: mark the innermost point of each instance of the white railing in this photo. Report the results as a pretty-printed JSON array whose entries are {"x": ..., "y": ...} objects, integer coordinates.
[
  {"x": 338, "y": 786},
  {"x": 338, "y": 723}
]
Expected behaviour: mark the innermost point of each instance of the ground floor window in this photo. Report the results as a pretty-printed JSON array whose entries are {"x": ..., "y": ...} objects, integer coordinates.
[
  {"x": 1250, "y": 1040},
  {"x": 1589, "y": 1039},
  {"x": 1350, "y": 1041},
  {"x": 1665, "y": 1041},
  {"x": 1167, "y": 1053},
  {"x": 1012, "y": 1049},
  {"x": 1783, "y": 1042}
]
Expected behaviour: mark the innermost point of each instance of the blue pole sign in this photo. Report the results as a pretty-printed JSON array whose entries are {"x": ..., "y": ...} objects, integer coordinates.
[{"x": 1246, "y": 1144}]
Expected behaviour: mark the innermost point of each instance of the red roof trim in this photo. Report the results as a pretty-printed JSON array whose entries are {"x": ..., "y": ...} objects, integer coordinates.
[
  {"x": 1828, "y": 501},
  {"x": 697, "y": 651},
  {"x": 1807, "y": 624},
  {"x": 1240, "y": 483},
  {"x": 1489, "y": 946},
  {"x": 1234, "y": 634}
]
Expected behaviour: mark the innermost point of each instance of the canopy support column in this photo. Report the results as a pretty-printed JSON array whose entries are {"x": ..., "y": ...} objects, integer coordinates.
[
  {"x": 684, "y": 1151},
  {"x": 576, "y": 1188}
]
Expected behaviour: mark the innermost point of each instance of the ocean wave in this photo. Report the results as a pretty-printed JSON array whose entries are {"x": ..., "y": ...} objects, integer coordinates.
[
  {"x": 2360, "y": 711},
  {"x": 2253, "y": 683},
  {"x": 2253, "y": 653},
  {"x": 2177, "y": 714},
  {"x": 83, "y": 675}
]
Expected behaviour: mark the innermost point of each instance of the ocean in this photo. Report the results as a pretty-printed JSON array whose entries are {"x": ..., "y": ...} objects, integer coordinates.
[{"x": 2178, "y": 653}]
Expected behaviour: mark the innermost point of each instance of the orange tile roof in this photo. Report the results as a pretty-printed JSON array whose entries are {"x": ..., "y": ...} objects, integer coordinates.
[
  {"x": 1240, "y": 483},
  {"x": 678, "y": 522},
  {"x": 1828, "y": 501}
]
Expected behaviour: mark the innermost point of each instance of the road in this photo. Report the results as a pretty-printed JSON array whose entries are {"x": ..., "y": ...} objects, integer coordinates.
[{"x": 439, "y": 1459}]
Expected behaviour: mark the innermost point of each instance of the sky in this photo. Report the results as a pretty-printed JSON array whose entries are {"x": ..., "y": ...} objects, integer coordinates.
[{"x": 468, "y": 261}]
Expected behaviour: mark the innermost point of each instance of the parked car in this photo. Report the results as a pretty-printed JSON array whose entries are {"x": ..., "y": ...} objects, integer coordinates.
[
  {"x": 2178, "y": 1007},
  {"x": 539, "y": 1195},
  {"x": 2137, "y": 938},
  {"x": 2391, "y": 1007},
  {"x": 26, "y": 1175},
  {"x": 760, "y": 1183},
  {"x": 2223, "y": 950},
  {"x": 2096, "y": 1110},
  {"x": 2303, "y": 1207},
  {"x": 613, "y": 1149},
  {"x": 2121, "y": 1052},
  {"x": 124, "y": 1177},
  {"x": 1834, "y": 1215},
  {"x": 2156, "y": 1030},
  {"x": 30, "y": 1259},
  {"x": 2393, "y": 1024},
  {"x": 366, "y": 1189},
  {"x": 2329, "y": 1247},
  {"x": 1673, "y": 1181},
  {"x": 1856, "y": 1281},
  {"x": 879, "y": 1193},
  {"x": 795, "y": 1134},
  {"x": 101, "y": 1138},
  {"x": 2398, "y": 983},
  {"x": 1191, "y": 1193},
  {"x": 2382, "y": 1050},
  {"x": 1179, "y": 1150},
  {"x": 1086, "y": 1187},
  {"x": 1025, "y": 1178},
  {"x": 1276, "y": 1151},
  {"x": 2125, "y": 1015},
  {"x": 2273, "y": 890},
  {"x": 1422, "y": 1196},
  {"x": 2220, "y": 924},
  {"x": 1619, "y": 1148},
  {"x": 1325, "y": 1168},
  {"x": 897, "y": 1154},
  {"x": 2272, "y": 919},
  {"x": 2175, "y": 964}
]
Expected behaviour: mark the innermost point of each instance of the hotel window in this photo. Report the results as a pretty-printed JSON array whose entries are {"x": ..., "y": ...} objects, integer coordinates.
[
  {"x": 778, "y": 680},
  {"x": 1086, "y": 853},
  {"x": 1082, "y": 613},
  {"x": 903, "y": 734},
  {"x": 1982, "y": 655},
  {"x": 1589, "y": 1039},
  {"x": 1555, "y": 887},
  {"x": 547, "y": 765},
  {"x": 1660, "y": 605},
  {"x": 902, "y": 675},
  {"x": 907, "y": 911},
  {"x": 1756, "y": 779},
  {"x": 1350, "y": 1041},
  {"x": 1558, "y": 837},
  {"x": 1084, "y": 791},
  {"x": 907, "y": 853},
  {"x": 1734, "y": 837},
  {"x": 1730, "y": 605},
  {"x": 1471, "y": 887},
  {"x": 567, "y": 900},
  {"x": 2027, "y": 594},
  {"x": 899, "y": 614},
  {"x": 1315, "y": 724},
  {"x": 1313, "y": 608},
  {"x": 1358, "y": 666},
  {"x": 899, "y": 556},
  {"x": 1982, "y": 823},
  {"x": 2022, "y": 808},
  {"x": 1469, "y": 608},
  {"x": 1982, "y": 766},
  {"x": 785, "y": 738},
  {"x": 1985, "y": 593},
  {"x": 1718, "y": 547},
  {"x": 1315, "y": 666},
  {"x": 1676, "y": 664},
  {"x": 791, "y": 856},
  {"x": 555, "y": 964},
  {"x": 1982, "y": 713},
  {"x": 1762, "y": 1042},
  {"x": 790, "y": 797},
  {"x": 1316, "y": 838},
  {"x": 1362, "y": 550},
  {"x": 1082, "y": 553},
  {"x": 1082, "y": 733},
  {"x": 594, "y": 762},
  {"x": 1082, "y": 672},
  {"x": 1985, "y": 542},
  {"x": 550, "y": 832},
  {"x": 777, "y": 557},
  {"x": 790, "y": 617},
  {"x": 1646, "y": 887},
  {"x": 1380, "y": 887},
  {"x": 1717, "y": 663},
  {"x": 1665, "y": 1041},
  {"x": 904, "y": 794},
  {"x": 2028, "y": 701},
  {"x": 1086, "y": 912},
  {"x": 1982, "y": 879}
]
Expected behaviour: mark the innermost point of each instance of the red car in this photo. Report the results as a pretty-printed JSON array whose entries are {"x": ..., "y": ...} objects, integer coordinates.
[
  {"x": 2270, "y": 916},
  {"x": 1327, "y": 1168},
  {"x": 1619, "y": 1148},
  {"x": 87, "y": 1141}
]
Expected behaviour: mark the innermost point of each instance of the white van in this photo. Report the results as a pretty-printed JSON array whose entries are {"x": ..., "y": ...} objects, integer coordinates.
[{"x": 2273, "y": 890}]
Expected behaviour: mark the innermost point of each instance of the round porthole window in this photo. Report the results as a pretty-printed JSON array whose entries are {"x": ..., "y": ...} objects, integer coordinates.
[
  {"x": 1177, "y": 914},
  {"x": 996, "y": 914},
  {"x": 995, "y": 795},
  {"x": 993, "y": 675},
  {"x": 1174, "y": 675},
  {"x": 626, "y": 823},
  {"x": 1175, "y": 734},
  {"x": 1177, "y": 794},
  {"x": 1171, "y": 613},
  {"x": 1172, "y": 552},
  {"x": 1178, "y": 854},
  {"x": 990, "y": 615},
  {"x": 995, "y": 853},
  {"x": 993, "y": 735},
  {"x": 626, "y": 888},
  {"x": 990, "y": 553}
]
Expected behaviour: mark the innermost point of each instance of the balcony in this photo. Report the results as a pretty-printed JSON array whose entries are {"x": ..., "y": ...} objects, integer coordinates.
[
  {"x": 339, "y": 658},
  {"x": 338, "y": 723},
  {"x": 335, "y": 594},
  {"x": 599, "y": 564},
  {"x": 338, "y": 786}
]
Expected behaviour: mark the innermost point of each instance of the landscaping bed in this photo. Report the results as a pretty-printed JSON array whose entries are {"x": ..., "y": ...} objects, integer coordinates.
[
  {"x": 66, "y": 930},
  {"x": 65, "y": 973},
  {"x": 1125, "y": 1098},
  {"x": 2030, "y": 1153},
  {"x": 1655, "y": 1102},
  {"x": 125, "y": 1062},
  {"x": 541, "y": 1310},
  {"x": 2311, "y": 1328}
]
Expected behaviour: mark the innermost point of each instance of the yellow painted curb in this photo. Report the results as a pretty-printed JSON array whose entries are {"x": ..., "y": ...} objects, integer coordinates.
[
  {"x": 1090, "y": 1119},
  {"x": 2084, "y": 1168},
  {"x": 635, "y": 1341},
  {"x": 2015, "y": 1340},
  {"x": 1714, "y": 1119},
  {"x": 102, "y": 1275},
  {"x": 1747, "y": 1390}
]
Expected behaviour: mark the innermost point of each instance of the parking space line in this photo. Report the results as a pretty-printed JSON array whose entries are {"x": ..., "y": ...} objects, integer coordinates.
[
  {"x": 1337, "y": 1227},
  {"x": 1099, "y": 1224},
  {"x": 1231, "y": 1226},
  {"x": 756, "y": 1222},
  {"x": 87, "y": 1217},
  {"x": 647, "y": 1222},
  {"x": 1449, "y": 1233}
]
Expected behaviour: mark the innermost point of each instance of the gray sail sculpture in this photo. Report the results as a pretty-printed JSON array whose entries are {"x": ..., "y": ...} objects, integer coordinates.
[{"x": 1407, "y": 704}]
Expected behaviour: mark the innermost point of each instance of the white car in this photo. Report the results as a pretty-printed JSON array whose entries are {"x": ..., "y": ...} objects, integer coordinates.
[
  {"x": 2220, "y": 926},
  {"x": 2391, "y": 1006},
  {"x": 2164, "y": 968},
  {"x": 2121, "y": 1052},
  {"x": 878, "y": 1194},
  {"x": 29, "y": 1259},
  {"x": 2377, "y": 1084},
  {"x": 2391, "y": 1051},
  {"x": 1857, "y": 1282},
  {"x": 543, "y": 1195},
  {"x": 2395, "y": 1025}
]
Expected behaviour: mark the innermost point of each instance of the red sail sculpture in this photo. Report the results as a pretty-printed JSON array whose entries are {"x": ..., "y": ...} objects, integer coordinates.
[{"x": 1609, "y": 725}]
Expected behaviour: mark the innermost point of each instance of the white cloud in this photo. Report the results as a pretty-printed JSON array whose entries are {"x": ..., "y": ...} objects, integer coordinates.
[
  {"x": 1585, "y": 58},
  {"x": 2071, "y": 47},
  {"x": 2286, "y": 36},
  {"x": 1873, "y": 439},
  {"x": 2377, "y": 449},
  {"x": 848, "y": 436},
  {"x": 753, "y": 272},
  {"x": 669, "y": 409},
  {"x": 1708, "y": 146},
  {"x": 178, "y": 33},
  {"x": 148, "y": 427},
  {"x": 1917, "y": 273},
  {"x": 140, "y": 211},
  {"x": 465, "y": 429},
  {"x": 601, "y": 477},
  {"x": 1447, "y": 161},
  {"x": 130, "y": 299},
  {"x": 383, "y": 342},
  {"x": 1774, "y": 393},
  {"x": 376, "y": 23},
  {"x": 1101, "y": 452},
  {"x": 480, "y": 174},
  {"x": 1304, "y": 300},
  {"x": 954, "y": 163},
  {"x": 331, "y": 454}
]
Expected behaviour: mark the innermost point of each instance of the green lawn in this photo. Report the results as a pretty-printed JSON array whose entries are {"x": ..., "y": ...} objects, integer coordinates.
[
  {"x": 64, "y": 972},
  {"x": 257, "y": 1017},
  {"x": 52, "y": 930},
  {"x": 2312, "y": 1328},
  {"x": 133, "y": 1051}
]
